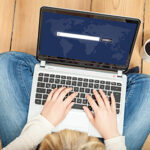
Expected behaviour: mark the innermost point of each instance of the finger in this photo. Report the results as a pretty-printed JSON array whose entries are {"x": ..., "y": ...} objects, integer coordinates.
[
  {"x": 69, "y": 108},
  {"x": 89, "y": 114},
  {"x": 113, "y": 103},
  {"x": 98, "y": 98},
  {"x": 56, "y": 94},
  {"x": 63, "y": 94},
  {"x": 70, "y": 98},
  {"x": 92, "y": 102},
  {"x": 50, "y": 96},
  {"x": 105, "y": 99}
]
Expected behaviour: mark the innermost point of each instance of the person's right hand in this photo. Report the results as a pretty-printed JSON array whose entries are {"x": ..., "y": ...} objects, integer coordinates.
[
  {"x": 104, "y": 118},
  {"x": 56, "y": 108}
]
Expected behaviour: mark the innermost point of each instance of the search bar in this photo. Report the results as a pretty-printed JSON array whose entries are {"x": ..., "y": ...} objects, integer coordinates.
[{"x": 78, "y": 36}]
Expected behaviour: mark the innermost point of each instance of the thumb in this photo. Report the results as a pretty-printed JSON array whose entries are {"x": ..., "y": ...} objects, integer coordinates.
[
  {"x": 89, "y": 114},
  {"x": 69, "y": 108}
]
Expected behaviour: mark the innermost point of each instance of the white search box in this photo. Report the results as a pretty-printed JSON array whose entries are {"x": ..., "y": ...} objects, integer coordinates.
[{"x": 78, "y": 36}]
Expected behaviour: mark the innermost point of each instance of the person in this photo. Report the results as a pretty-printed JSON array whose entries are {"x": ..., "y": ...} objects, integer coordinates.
[{"x": 16, "y": 80}]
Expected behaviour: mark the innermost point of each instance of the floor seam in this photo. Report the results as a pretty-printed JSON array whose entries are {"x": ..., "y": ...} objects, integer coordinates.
[
  {"x": 143, "y": 33},
  {"x": 13, "y": 21}
]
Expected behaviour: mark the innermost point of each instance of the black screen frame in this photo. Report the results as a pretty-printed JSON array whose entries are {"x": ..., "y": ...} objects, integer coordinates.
[{"x": 81, "y": 63}]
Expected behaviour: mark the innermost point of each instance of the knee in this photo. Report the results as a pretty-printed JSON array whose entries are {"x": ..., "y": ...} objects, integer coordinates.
[
  {"x": 6, "y": 58},
  {"x": 10, "y": 58},
  {"x": 142, "y": 79}
]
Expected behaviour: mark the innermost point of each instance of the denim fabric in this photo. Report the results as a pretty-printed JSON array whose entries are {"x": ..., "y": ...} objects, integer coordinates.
[{"x": 16, "y": 71}]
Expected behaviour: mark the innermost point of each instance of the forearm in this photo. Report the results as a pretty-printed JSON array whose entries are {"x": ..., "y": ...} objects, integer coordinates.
[
  {"x": 32, "y": 134},
  {"x": 116, "y": 143}
]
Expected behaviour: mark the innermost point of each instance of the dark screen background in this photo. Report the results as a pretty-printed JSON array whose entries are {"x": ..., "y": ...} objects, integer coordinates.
[{"x": 114, "y": 52}]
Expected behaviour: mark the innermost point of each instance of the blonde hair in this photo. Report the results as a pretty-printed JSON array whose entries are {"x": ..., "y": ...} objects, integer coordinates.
[{"x": 71, "y": 140}]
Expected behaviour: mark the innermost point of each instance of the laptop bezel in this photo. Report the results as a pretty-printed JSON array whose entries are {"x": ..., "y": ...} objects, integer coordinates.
[{"x": 80, "y": 63}]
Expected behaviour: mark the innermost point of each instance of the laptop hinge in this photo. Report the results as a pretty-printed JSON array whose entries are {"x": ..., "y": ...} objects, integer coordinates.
[
  {"x": 119, "y": 74},
  {"x": 43, "y": 63}
]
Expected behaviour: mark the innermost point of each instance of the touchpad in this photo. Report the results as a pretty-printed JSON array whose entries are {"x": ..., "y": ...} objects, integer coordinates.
[{"x": 75, "y": 120}]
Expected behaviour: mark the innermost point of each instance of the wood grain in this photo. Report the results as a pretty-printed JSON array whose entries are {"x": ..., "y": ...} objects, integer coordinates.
[
  {"x": 27, "y": 18},
  {"x": 146, "y": 65},
  {"x": 146, "y": 145},
  {"x": 131, "y": 8},
  {"x": 6, "y": 19}
]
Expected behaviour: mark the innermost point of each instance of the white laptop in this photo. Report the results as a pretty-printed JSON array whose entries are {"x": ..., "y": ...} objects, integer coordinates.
[{"x": 85, "y": 51}]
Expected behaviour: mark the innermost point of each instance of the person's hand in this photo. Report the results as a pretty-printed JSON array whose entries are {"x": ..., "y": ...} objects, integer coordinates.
[
  {"x": 104, "y": 118},
  {"x": 55, "y": 108}
]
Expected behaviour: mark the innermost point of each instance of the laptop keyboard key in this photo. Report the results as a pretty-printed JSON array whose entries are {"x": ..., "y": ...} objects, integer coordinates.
[
  {"x": 113, "y": 83},
  {"x": 102, "y": 82},
  {"x": 91, "y": 85},
  {"x": 40, "y": 84},
  {"x": 107, "y": 87},
  {"x": 74, "y": 83},
  {"x": 117, "y": 105},
  {"x": 84, "y": 101},
  {"x": 90, "y": 108},
  {"x": 40, "y": 74},
  {"x": 45, "y": 96},
  {"x": 63, "y": 77},
  {"x": 79, "y": 84},
  {"x": 40, "y": 78},
  {"x": 37, "y": 101},
  {"x": 51, "y": 81},
  {"x": 85, "y": 84},
  {"x": 57, "y": 81},
  {"x": 45, "y": 79},
  {"x": 52, "y": 75},
  {"x": 96, "y": 81},
  {"x": 107, "y": 82},
  {"x": 38, "y": 95},
  {"x": 77, "y": 106},
  {"x": 115, "y": 88},
  {"x": 101, "y": 86},
  {"x": 87, "y": 90},
  {"x": 117, "y": 96},
  {"x": 48, "y": 85},
  {"x": 96, "y": 86},
  {"x": 81, "y": 89},
  {"x": 117, "y": 111},
  {"x": 119, "y": 84},
  {"x": 46, "y": 75},
  {"x": 68, "y": 82},
  {"x": 57, "y": 76},
  {"x": 79, "y": 100},
  {"x": 76, "y": 89},
  {"x": 53, "y": 86},
  {"x": 43, "y": 102},
  {"x": 39, "y": 90},
  {"x": 82, "y": 95},
  {"x": 48, "y": 91}
]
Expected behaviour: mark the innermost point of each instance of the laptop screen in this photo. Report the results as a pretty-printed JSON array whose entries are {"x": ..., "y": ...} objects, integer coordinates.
[{"x": 86, "y": 38}]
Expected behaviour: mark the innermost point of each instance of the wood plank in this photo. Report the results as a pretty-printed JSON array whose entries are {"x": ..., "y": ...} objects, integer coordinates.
[
  {"x": 27, "y": 18},
  {"x": 146, "y": 65},
  {"x": 146, "y": 145},
  {"x": 131, "y": 8},
  {"x": 6, "y": 19}
]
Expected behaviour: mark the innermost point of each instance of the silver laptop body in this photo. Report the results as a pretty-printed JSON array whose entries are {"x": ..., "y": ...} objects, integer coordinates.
[{"x": 76, "y": 118}]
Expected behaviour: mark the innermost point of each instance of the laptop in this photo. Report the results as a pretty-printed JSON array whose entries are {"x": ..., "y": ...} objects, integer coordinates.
[{"x": 85, "y": 51}]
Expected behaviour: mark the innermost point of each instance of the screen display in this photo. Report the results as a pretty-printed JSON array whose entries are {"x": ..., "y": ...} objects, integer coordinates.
[{"x": 87, "y": 39}]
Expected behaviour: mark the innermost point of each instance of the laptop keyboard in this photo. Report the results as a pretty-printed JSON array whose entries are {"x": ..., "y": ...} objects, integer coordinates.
[{"x": 47, "y": 82}]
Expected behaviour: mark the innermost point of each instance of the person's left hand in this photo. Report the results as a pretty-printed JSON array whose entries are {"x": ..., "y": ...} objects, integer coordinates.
[{"x": 55, "y": 108}]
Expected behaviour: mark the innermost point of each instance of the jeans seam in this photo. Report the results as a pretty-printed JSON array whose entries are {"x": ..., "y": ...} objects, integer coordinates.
[
  {"x": 23, "y": 79},
  {"x": 129, "y": 93}
]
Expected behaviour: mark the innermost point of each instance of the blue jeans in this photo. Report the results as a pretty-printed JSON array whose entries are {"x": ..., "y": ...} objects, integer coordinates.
[{"x": 16, "y": 71}]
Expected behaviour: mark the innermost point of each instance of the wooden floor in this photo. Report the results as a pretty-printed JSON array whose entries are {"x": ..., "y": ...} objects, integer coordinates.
[{"x": 19, "y": 24}]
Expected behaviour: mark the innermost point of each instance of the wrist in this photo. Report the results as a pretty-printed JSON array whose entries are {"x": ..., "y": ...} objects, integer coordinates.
[{"x": 111, "y": 135}]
